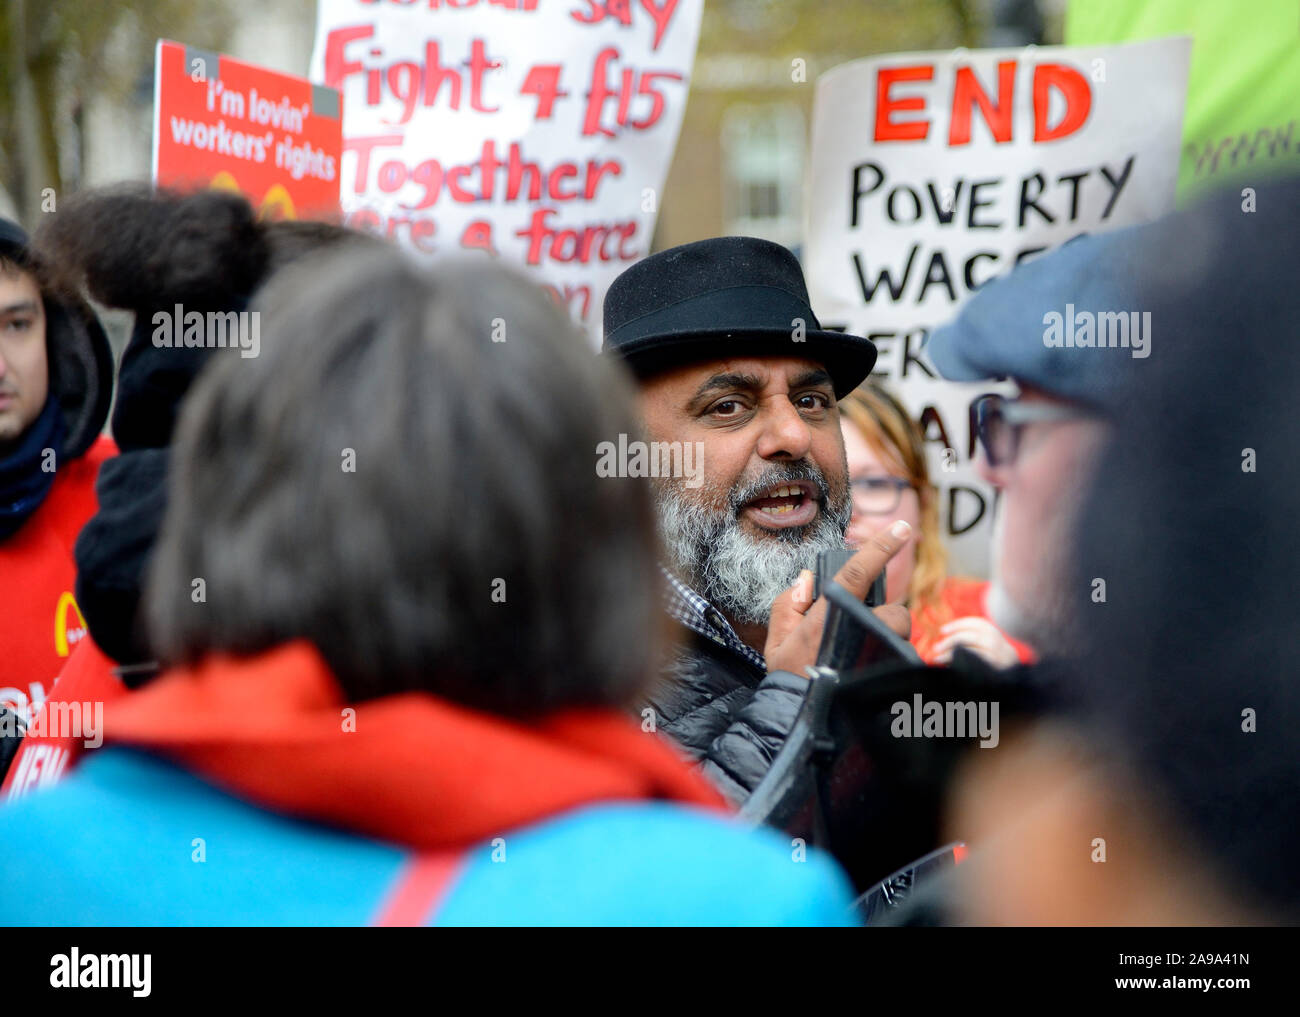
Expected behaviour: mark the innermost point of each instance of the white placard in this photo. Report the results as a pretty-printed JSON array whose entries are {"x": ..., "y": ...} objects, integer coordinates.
[
  {"x": 540, "y": 130},
  {"x": 933, "y": 173}
]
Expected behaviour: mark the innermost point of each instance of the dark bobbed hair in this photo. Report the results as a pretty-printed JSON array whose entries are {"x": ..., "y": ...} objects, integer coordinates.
[
  {"x": 474, "y": 552},
  {"x": 1200, "y": 554}
]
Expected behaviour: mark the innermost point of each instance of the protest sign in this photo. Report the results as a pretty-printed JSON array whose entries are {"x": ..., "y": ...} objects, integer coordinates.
[
  {"x": 220, "y": 122},
  {"x": 933, "y": 173},
  {"x": 537, "y": 132}
]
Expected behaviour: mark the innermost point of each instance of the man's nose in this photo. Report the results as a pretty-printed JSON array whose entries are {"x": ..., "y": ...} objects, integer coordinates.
[{"x": 786, "y": 434}]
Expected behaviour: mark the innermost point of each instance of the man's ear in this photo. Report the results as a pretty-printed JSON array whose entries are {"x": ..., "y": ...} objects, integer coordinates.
[{"x": 1057, "y": 838}]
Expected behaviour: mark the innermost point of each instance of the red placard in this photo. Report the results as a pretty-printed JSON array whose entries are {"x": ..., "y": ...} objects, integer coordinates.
[{"x": 220, "y": 122}]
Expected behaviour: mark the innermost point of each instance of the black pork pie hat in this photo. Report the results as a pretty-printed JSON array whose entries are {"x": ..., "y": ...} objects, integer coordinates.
[{"x": 724, "y": 297}]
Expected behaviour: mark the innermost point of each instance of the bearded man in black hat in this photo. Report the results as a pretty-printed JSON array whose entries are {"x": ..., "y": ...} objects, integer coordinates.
[{"x": 733, "y": 364}]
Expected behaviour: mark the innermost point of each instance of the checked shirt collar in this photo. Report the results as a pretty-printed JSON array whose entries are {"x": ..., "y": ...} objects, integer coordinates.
[{"x": 698, "y": 615}]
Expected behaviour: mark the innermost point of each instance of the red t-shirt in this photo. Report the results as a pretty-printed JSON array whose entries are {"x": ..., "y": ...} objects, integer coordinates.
[
  {"x": 39, "y": 619},
  {"x": 960, "y": 597}
]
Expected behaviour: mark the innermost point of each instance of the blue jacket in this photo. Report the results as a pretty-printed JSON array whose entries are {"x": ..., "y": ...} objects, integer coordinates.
[{"x": 128, "y": 839}]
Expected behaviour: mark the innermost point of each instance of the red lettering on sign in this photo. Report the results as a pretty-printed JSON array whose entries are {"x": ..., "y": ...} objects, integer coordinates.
[
  {"x": 887, "y": 129},
  {"x": 967, "y": 92},
  {"x": 1078, "y": 100}
]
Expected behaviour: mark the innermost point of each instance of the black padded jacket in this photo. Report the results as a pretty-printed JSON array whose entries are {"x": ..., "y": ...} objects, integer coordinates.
[{"x": 724, "y": 711}]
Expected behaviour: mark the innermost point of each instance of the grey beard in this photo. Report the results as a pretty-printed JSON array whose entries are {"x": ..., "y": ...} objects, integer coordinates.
[
  {"x": 739, "y": 575},
  {"x": 1041, "y": 615}
]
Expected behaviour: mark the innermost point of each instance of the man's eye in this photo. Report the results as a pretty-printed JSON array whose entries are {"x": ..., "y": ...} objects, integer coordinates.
[
  {"x": 726, "y": 408},
  {"x": 813, "y": 401}
]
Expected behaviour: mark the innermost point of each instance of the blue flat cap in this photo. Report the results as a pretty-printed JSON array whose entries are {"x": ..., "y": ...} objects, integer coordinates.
[{"x": 1076, "y": 322}]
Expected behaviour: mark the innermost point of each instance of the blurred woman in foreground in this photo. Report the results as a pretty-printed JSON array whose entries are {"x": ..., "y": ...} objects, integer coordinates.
[{"x": 402, "y": 622}]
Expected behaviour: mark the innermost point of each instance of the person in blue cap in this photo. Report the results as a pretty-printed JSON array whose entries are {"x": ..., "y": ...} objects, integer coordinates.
[
  {"x": 1163, "y": 792},
  {"x": 1072, "y": 331}
]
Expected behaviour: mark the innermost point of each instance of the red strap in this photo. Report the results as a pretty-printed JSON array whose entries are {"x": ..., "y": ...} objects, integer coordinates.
[{"x": 420, "y": 887}]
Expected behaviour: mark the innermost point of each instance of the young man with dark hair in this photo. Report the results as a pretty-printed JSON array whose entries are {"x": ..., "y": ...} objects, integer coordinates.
[
  {"x": 56, "y": 372},
  {"x": 205, "y": 249}
]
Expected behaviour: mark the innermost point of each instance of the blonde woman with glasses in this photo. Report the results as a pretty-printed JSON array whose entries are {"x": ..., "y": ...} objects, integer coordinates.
[{"x": 890, "y": 480}]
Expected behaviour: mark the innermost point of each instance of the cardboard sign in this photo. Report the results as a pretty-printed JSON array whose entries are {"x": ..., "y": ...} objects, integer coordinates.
[
  {"x": 933, "y": 173},
  {"x": 219, "y": 122},
  {"x": 540, "y": 133}
]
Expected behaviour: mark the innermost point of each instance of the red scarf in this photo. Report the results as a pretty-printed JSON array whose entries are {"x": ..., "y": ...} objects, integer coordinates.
[{"x": 411, "y": 768}]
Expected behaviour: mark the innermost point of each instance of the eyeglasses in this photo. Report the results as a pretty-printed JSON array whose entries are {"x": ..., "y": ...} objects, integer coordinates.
[
  {"x": 997, "y": 422},
  {"x": 878, "y": 495}
]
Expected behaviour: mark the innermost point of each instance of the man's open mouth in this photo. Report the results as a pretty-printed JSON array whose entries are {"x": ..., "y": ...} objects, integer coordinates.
[{"x": 789, "y": 503}]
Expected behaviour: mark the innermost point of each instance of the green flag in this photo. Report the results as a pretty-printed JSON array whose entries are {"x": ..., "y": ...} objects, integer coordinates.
[{"x": 1242, "y": 123}]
